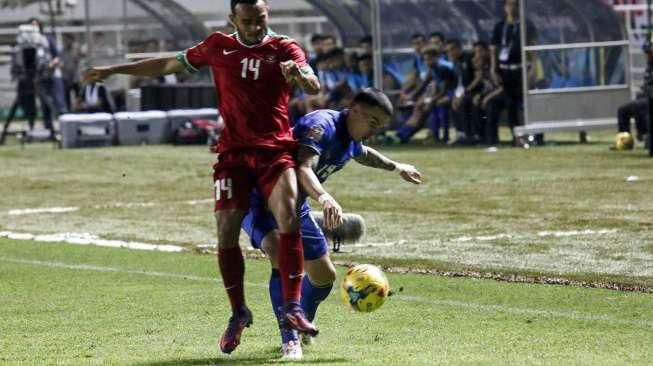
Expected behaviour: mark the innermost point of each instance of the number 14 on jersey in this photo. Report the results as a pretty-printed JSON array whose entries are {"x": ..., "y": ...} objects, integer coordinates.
[{"x": 252, "y": 65}]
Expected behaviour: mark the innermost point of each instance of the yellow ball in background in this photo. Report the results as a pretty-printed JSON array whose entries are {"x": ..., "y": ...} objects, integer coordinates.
[
  {"x": 365, "y": 288},
  {"x": 624, "y": 141}
]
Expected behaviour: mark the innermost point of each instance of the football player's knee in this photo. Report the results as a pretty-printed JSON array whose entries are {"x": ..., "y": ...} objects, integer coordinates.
[
  {"x": 330, "y": 275},
  {"x": 228, "y": 236},
  {"x": 323, "y": 275}
]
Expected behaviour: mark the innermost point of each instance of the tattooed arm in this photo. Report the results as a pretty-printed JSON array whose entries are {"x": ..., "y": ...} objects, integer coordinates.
[{"x": 375, "y": 159}]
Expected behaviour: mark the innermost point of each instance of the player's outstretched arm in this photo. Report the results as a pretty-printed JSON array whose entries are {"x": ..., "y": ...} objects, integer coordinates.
[
  {"x": 307, "y": 159},
  {"x": 308, "y": 82},
  {"x": 375, "y": 159},
  {"x": 152, "y": 67}
]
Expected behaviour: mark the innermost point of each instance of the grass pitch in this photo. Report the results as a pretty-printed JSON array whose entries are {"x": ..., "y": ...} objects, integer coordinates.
[
  {"x": 66, "y": 304},
  {"x": 566, "y": 210}
]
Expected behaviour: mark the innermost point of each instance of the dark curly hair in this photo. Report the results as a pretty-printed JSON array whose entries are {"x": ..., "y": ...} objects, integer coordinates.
[{"x": 234, "y": 3}]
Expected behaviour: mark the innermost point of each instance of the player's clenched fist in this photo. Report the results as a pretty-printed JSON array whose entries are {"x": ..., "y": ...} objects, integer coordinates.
[{"x": 290, "y": 70}]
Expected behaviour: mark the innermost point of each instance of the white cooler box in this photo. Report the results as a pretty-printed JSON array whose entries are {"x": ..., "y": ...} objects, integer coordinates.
[
  {"x": 178, "y": 117},
  {"x": 85, "y": 130},
  {"x": 136, "y": 128}
]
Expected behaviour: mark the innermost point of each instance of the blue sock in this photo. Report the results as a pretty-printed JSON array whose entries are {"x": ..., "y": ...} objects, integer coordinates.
[
  {"x": 276, "y": 299},
  {"x": 312, "y": 296}
]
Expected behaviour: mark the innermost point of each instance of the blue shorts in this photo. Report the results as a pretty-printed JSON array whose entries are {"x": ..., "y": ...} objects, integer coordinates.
[{"x": 258, "y": 223}]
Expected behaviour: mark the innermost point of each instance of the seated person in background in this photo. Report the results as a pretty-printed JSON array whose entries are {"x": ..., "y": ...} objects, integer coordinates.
[
  {"x": 431, "y": 98},
  {"x": 461, "y": 105},
  {"x": 316, "y": 47},
  {"x": 418, "y": 72},
  {"x": 363, "y": 76},
  {"x": 392, "y": 77},
  {"x": 328, "y": 43},
  {"x": 638, "y": 108},
  {"x": 93, "y": 98},
  {"x": 485, "y": 90},
  {"x": 332, "y": 74}
]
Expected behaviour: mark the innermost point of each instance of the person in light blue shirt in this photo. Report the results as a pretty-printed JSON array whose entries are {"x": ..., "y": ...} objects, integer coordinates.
[{"x": 328, "y": 140}]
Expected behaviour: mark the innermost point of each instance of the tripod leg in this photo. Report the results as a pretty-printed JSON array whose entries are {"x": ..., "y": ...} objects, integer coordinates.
[{"x": 10, "y": 117}]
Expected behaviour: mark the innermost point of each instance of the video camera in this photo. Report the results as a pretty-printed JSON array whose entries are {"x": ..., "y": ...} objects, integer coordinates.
[{"x": 30, "y": 48}]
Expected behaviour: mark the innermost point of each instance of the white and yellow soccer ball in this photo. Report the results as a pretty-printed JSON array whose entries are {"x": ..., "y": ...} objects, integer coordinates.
[
  {"x": 624, "y": 141},
  {"x": 364, "y": 288}
]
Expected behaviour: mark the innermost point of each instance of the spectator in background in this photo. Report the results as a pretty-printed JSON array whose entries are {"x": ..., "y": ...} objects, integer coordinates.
[
  {"x": 506, "y": 68},
  {"x": 316, "y": 50},
  {"x": 332, "y": 75},
  {"x": 480, "y": 87},
  {"x": 49, "y": 82},
  {"x": 24, "y": 71},
  {"x": 351, "y": 61},
  {"x": 638, "y": 108},
  {"x": 71, "y": 56},
  {"x": 366, "y": 45},
  {"x": 392, "y": 77},
  {"x": 363, "y": 76},
  {"x": 94, "y": 97},
  {"x": 416, "y": 75},
  {"x": 437, "y": 40},
  {"x": 56, "y": 83},
  {"x": 461, "y": 105},
  {"x": 430, "y": 99},
  {"x": 328, "y": 43},
  {"x": 485, "y": 90}
]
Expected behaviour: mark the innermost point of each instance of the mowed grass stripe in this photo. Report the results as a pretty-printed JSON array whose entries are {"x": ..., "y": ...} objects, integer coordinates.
[
  {"x": 414, "y": 299},
  {"x": 83, "y": 316}
]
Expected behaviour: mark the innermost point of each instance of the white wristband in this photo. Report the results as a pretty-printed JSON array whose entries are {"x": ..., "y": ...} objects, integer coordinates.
[{"x": 324, "y": 197}]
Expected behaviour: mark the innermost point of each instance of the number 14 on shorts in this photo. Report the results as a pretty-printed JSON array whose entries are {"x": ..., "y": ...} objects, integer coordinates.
[{"x": 223, "y": 185}]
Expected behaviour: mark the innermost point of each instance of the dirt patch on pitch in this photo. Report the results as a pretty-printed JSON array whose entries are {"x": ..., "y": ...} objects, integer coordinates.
[{"x": 513, "y": 278}]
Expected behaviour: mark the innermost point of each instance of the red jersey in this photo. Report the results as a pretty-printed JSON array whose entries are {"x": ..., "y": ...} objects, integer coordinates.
[{"x": 252, "y": 93}]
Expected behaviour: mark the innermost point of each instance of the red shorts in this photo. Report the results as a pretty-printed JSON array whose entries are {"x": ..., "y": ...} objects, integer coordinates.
[{"x": 236, "y": 173}]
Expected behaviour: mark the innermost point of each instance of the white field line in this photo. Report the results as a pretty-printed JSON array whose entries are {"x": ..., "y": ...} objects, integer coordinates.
[
  {"x": 59, "y": 210},
  {"x": 88, "y": 267},
  {"x": 86, "y": 238},
  {"x": 89, "y": 239},
  {"x": 541, "y": 313},
  {"x": 462, "y": 239},
  {"x": 485, "y": 238},
  {"x": 32, "y": 211}
]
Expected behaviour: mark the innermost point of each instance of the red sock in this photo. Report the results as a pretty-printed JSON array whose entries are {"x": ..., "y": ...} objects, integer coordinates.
[
  {"x": 232, "y": 268},
  {"x": 291, "y": 266}
]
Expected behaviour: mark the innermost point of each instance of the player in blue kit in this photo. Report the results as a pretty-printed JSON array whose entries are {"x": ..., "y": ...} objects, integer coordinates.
[{"x": 327, "y": 141}]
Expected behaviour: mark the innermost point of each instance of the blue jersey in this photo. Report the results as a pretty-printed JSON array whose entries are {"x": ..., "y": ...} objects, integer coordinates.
[{"x": 324, "y": 131}]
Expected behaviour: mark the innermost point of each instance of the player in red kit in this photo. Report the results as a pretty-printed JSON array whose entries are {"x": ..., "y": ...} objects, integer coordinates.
[{"x": 252, "y": 70}]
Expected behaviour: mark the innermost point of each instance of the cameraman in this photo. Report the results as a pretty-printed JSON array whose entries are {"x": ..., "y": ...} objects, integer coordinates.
[
  {"x": 638, "y": 108},
  {"x": 28, "y": 62}
]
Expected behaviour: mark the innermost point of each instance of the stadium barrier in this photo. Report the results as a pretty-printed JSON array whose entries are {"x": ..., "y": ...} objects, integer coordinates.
[
  {"x": 86, "y": 130},
  {"x": 136, "y": 128},
  {"x": 126, "y": 128}
]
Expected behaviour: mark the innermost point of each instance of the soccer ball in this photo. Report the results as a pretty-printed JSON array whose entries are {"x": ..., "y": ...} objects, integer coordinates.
[
  {"x": 364, "y": 288},
  {"x": 624, "y": 141}
]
